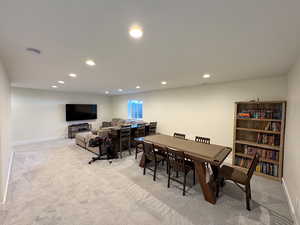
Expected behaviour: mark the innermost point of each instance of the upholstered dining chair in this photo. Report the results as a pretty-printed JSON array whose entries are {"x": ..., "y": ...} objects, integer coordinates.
[
  {"x": 179, "y": 135},
  {"x": 203, "y": 140},
  {"x": 177, "y": 162},
  {"x": 239, "y": 177},
  {"x": 151, "y": 156}
]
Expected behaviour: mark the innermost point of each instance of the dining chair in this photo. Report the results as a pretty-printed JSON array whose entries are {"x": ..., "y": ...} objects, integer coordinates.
[
  {"x": 203, "y": 140},
  {"x": 177, "y": 162},
  {"x": 151, "y": 156},
  {"x": 178, "y": 135},
  {"x": 239, "y": 177},
  {"x": 139, "y": 132},
  {"x": 161, "y": 150},
  {"x": 125, "y": 139},
  {"x": 152, "y": 128}
]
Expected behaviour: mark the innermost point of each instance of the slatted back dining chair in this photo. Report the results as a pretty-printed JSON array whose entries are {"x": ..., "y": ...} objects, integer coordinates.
[
  {"x": 179, "y": 135},
  {"x": 152, "y": 128},
  {"x": 239, "y": 177},
  {"x": 177, "y": 162},
  {"x": 140, "y": 131},
  {"x": 150, "y": 155},
  {"x": 125, "y": 140},
  {"x": 203, "y": 140}
]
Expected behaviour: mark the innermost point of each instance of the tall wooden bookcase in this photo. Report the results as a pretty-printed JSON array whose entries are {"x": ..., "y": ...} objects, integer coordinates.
[{"x": 259, "y": 127}]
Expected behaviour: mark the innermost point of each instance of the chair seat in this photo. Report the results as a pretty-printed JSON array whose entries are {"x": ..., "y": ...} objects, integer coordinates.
[
  {"x": 158, "y": 157},
  {"x": 140, "y": 146},
  {"x": 230, "y": 173}
]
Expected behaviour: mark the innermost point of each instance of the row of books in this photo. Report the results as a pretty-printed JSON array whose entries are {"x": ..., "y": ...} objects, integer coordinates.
[
  {"x": 260, "y": 114},
  {"x": 262, "y": 167},
  {"x": 264, "y": 154},
  {"x": 268, "y": 139},
  {"x": 273, "y": 126}
]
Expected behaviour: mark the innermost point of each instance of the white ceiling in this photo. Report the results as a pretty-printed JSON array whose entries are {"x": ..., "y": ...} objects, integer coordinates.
[{"x": 183, "y": 39}]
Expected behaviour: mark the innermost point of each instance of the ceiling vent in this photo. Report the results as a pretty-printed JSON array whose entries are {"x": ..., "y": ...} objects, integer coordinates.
[{"x": 34, "y": 50}]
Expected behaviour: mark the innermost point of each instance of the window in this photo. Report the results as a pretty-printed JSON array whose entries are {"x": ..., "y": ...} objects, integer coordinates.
[{"x": 135, "y": 109}]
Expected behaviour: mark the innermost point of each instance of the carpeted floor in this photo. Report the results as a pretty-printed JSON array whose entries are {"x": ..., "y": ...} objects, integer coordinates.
[{"x": 52, "y": 184}]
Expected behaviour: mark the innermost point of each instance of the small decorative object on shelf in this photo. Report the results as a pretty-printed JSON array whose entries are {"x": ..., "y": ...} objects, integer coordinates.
[{"x": 259, "y": 127}]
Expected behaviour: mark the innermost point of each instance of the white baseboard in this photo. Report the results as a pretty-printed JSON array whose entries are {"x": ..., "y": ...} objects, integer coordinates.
[
  {"x": 33, "y": 141},
  {"x": 8, "y": 177},
  {"x": 291, "y": 206}
]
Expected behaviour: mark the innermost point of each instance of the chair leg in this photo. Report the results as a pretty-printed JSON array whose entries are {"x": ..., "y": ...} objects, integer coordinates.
[
  {"x": 169, "y": 176},
  {"x": 194, "y": 175},
  {"x": 168, "y": 167},
  {"x": 177, "y": 173},
  {"x": 155, "y": 168},
  {"x": 248, "y": 197},
  {"x": 129, "y": 147},
  {"x": 136, "y": 152},
  {"x": 218, "y": 182},
  {"x": 250, "y": 192},
  {"x": 184, "y": 183},
  {"x": 222, "y": 182},
  {"x": 145, "y": 163}
]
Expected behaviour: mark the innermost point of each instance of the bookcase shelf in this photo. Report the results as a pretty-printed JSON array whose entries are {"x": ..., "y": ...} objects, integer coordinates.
[
  {"x": 258, "y": 130},
  {"x": 272, "y": 147},
  {"x": 259, "y": 127},
  {"x": 254, "y": 119},
  {"x": 261, "y": 159}
]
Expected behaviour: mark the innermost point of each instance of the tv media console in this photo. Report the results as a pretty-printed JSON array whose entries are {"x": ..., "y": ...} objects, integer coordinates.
[{"x": 78, "y": 128}]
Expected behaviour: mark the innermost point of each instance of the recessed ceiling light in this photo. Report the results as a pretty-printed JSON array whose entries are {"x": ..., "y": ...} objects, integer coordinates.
[
  {"x": 61, "y": 82},
  {"x": 120, "y": 89},
  {"x": 54, "y": 86},
  {"x": 206, "y": 76},
  {"x": 136, "y": 32},
  {"x": 164, "y": 82},
  {"x": 72, "y": 75},
  {"x": 137, "y": 87},
  {"x": 107, "y": 92},
  {"x": 90, "y": 62}
]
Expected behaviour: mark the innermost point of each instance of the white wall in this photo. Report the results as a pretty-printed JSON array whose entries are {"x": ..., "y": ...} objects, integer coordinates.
[
  {"x": 206, "y": 110},
  {"x": 39, "y": 115},
  {"x": 292, "y": 145},
  {"x": 5, "y": 149}
]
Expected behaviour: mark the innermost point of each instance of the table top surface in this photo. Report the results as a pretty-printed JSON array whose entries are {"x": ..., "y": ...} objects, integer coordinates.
[{"x": 207, "y": 152}]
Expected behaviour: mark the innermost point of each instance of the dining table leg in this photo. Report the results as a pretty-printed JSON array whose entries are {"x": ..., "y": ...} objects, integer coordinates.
[{"x": 207, "y": 187}]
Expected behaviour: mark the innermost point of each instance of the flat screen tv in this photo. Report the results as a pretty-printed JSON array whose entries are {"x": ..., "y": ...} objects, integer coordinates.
[{"x": 81, "y": 112}]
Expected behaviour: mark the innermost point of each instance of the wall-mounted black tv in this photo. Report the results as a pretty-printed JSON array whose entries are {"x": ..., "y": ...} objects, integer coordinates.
[{"x": 81, "y": 112}]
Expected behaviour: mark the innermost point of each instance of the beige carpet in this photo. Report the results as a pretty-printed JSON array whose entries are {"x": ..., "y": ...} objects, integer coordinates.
[{"x": 52, "y": 184}]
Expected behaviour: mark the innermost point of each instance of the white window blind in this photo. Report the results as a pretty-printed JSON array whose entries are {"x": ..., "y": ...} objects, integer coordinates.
[{"x": 135, "y": 109}]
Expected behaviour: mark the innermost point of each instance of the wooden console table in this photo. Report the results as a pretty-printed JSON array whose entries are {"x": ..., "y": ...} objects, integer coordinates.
[{"x": 78, "y": 128}]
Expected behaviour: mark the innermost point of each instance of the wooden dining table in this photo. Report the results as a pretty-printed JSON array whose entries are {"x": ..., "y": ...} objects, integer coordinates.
[{"x": 200, "y": 154}]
